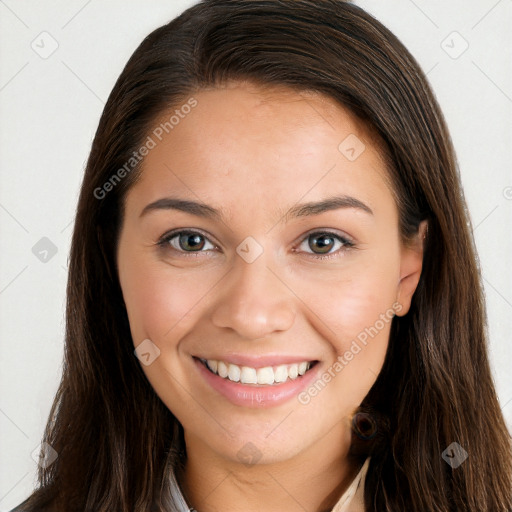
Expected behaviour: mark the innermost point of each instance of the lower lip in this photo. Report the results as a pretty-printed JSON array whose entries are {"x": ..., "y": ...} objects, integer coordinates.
[{"x": 252, "y": 395}]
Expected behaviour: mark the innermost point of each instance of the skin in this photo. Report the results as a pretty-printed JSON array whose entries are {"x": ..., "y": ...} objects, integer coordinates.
[{"x": 253, "y": 153}]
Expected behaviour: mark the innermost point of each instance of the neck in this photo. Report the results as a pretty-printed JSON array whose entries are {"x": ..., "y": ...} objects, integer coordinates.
[{"x": 312, "y": 480}]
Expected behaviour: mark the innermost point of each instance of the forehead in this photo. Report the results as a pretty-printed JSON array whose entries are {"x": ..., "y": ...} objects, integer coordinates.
[{"x": 244, "y": 144}]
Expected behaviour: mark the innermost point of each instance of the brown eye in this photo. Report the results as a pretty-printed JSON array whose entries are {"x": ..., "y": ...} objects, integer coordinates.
[
  {"x": 321, "y": 244},
  {"x": 324, "y": 244},
  {"x": 187, "y": 241},
  {"x": 191, "y": 242}
]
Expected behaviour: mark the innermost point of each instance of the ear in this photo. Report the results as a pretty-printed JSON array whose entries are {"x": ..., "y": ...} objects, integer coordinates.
[{"x": 411, "y": 263}]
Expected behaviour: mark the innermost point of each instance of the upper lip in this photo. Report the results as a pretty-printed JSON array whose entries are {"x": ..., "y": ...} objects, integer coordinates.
[{"x": 259, "y": 361}]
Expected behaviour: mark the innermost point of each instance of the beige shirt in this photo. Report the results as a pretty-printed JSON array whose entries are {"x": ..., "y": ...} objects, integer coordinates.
[
  {"x": 351, "y": 501},
  {"x": 353, "y": 498}
]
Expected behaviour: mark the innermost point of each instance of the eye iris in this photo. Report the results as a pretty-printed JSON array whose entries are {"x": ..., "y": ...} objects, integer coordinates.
[
  {"x": 191, "y": 242},
  {"x": 323, "y": 242}
]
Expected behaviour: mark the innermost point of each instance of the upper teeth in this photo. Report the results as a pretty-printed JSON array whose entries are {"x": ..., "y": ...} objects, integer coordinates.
[{"x": 266, "y": 375}]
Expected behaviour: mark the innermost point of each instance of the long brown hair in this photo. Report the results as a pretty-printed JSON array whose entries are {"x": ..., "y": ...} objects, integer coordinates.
[{"x": 115, "y": 438}]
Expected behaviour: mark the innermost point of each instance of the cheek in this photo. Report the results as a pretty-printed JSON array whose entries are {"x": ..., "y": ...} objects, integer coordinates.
[
  {"x": 161, "y": 302},
  {"x": 360, "y": 304},
  {"x": 352, "y": 298},
  {"x": 162, "y": 308},
  {"x": 354, "y": 314}
]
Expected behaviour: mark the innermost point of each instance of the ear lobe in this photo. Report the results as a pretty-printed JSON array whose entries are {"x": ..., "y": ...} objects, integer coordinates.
[{"x": 411, "y": 264}]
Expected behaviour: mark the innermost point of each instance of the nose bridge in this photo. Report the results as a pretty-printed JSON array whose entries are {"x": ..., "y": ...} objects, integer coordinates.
[{"x": 254, "y": 302}]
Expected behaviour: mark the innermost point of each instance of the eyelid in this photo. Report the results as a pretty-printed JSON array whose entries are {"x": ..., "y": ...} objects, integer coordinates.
[{"x": 328, "y": 231}]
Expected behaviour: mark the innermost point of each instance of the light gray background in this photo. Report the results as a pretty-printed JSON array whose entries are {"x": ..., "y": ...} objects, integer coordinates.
[{"x": 50, "y": 108}]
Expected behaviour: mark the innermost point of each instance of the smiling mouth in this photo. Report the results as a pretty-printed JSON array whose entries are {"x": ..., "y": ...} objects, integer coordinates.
[{"x": 268, "y": 375}]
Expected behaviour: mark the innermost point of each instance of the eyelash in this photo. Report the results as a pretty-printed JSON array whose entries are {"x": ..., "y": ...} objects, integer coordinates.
[{"x": 347, "y": 244}]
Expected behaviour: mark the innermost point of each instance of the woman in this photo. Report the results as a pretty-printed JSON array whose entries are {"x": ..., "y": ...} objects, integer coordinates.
[{"x": 273, "y": 298}]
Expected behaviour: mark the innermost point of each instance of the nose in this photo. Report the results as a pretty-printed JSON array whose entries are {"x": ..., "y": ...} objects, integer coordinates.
[{"x": 254, "y": 302}]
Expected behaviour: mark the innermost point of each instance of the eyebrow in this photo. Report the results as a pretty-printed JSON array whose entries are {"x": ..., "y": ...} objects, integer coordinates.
[{"x": 301, "y": 210}]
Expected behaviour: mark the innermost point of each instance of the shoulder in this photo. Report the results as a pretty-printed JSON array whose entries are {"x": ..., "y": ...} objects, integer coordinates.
[{"x": 32, "y": 505}]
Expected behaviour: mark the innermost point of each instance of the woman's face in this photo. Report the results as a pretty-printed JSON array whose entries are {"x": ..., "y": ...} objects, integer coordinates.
[{"x": 262, "y": 241}]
